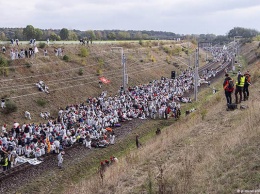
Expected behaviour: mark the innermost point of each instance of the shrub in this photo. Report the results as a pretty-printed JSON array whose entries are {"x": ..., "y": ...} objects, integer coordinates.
[
  {"x": 84, "y": 52},
  {"x": 10, "y": 107},
  {"x": 42, "y": 45},
  {"x": 28, "y": 65},
  {"x": 99, "y": 72},
  {"x": 168, "y": 60},
  {"x": 41, "y": 102},
  {"x": 203, "y": 114},
  {"x": 152, "y": 58},
  {"x": 66, "y": 58},
  {"x": 80, "y": 71},
  {"x": 4, "y": 66}
]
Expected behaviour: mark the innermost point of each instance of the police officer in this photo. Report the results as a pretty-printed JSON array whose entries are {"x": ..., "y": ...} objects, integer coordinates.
[{"x": 239, "y": 87}]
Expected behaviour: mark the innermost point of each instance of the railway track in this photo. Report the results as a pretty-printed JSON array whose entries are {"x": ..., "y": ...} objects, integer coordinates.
[{"x": 20, "y": 168}]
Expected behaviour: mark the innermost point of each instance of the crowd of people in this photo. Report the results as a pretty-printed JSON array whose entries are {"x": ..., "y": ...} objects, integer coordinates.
[
  {"x": 21, "y": 53},
  {"x": 91, "y": 123}
]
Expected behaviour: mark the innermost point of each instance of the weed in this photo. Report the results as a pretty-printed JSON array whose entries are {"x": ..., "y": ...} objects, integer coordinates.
[
  {"x": 80, "y": 72},
  {"x": 84, "y": 52},
  {"x": 10, "y": 107},
  {"x": 66, "y": 58},
  {"x": 141, "y": 42},
  {"x": 203, "y": 113},
  {"x": 28, "y": 65},
  {"x": 99, "y": 72},
  {"x": 4, "y": 67},
  {"x": 41, "y": 102},
  {"x": 42, "y": 45}
]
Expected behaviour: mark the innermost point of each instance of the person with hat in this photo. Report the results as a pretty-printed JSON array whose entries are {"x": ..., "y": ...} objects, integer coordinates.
[
  {"x": 246, "y": 86},
  {"x": 228, "y": 88},
  {"x": 60, "y": 159}
]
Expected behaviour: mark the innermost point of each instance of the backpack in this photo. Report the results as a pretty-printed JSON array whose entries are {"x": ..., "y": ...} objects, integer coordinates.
[{"x": 230, "y": 85}]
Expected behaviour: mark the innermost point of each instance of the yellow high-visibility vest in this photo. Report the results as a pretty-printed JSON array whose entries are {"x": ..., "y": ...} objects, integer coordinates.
[{"x": 242, "y": 81}]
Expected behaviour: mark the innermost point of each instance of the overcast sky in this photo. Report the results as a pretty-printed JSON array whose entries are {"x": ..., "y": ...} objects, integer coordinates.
[{"x": 178, "y": 16}]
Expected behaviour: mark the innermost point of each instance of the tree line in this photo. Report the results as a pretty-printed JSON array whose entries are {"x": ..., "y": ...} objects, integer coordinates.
[{"x": 30, "y": 32}]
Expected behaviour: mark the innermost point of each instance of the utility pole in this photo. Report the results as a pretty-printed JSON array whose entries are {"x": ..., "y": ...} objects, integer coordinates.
[
  {"x": 196, "y": 71},
  {"x": 234, "y": 52},
  {"x": 196, "y": 74},
  {"x": 123, "y": 62}
]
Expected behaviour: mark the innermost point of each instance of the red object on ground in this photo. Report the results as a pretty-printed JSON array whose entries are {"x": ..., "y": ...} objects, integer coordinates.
[{"x": 104, "y": 80}]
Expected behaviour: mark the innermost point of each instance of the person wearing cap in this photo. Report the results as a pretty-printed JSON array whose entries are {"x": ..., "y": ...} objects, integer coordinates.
[
  {"x": 246, "y": 86},
  {"x": 227, "y": 89},
  {"x": 239, "y": 87},
  {"x": 60, "y": 159}
]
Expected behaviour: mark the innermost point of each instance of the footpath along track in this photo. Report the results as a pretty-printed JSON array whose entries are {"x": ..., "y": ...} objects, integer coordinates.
[{"x": 25, "y": 173}]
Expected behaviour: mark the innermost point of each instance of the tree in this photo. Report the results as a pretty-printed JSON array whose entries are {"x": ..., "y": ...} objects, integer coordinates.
[
  {"x": 145, "y": 36},
  {"x": 90, "y": 34},
  {"x": 54, "y": 36},
  {"x": 138, "y": 35},
  {"x": 72, "y": 35},
  {"x": 111, "y": 36},
  {"x": 244, "y": 32},
  {"x": 19, "y": 34},
  {"x": 64, "y": 34},
  {"x": 38, "y": 33},
  {"x": 123, "y": 35},
  {"x": 2, "y": 36},
  {"x": 98, "y": 35},
  {"x": 29, "y": 32}
]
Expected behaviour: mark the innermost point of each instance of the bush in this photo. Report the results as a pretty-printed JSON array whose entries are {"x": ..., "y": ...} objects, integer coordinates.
[
  {"x": 99, "y": 72},
  {"x": 152, "y": 58},
  {"x": 4, "y": 70},
  {"x": 42, "y": 45},
  {"x": 10, "y": 107},
  {"x": 66, "y": 58},
  {"x": 80, "y": 71},
  {"x": 28, "y": 65},
  {"x": 203, "y": 114},
  {"x": 41, "y": 102},
  {"x": 168, "y": 60},
  {"x": 84, "y": 52}
]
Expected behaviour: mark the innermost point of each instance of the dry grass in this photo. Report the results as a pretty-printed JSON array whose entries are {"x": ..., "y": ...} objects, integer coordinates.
[
  {"x": 101, "y": 57},
  {"x": 214, "y": 153}
]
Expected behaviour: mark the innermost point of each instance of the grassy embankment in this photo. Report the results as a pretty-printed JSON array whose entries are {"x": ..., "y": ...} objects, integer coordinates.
[{"x": 210, "y": 151}]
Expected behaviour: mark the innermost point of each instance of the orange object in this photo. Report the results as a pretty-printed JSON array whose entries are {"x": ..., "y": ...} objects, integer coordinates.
[{"x": 109, "y": 129}]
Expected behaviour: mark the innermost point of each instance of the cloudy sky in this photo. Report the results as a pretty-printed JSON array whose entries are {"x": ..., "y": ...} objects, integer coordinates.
[{"x": 178, "y": 16}]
